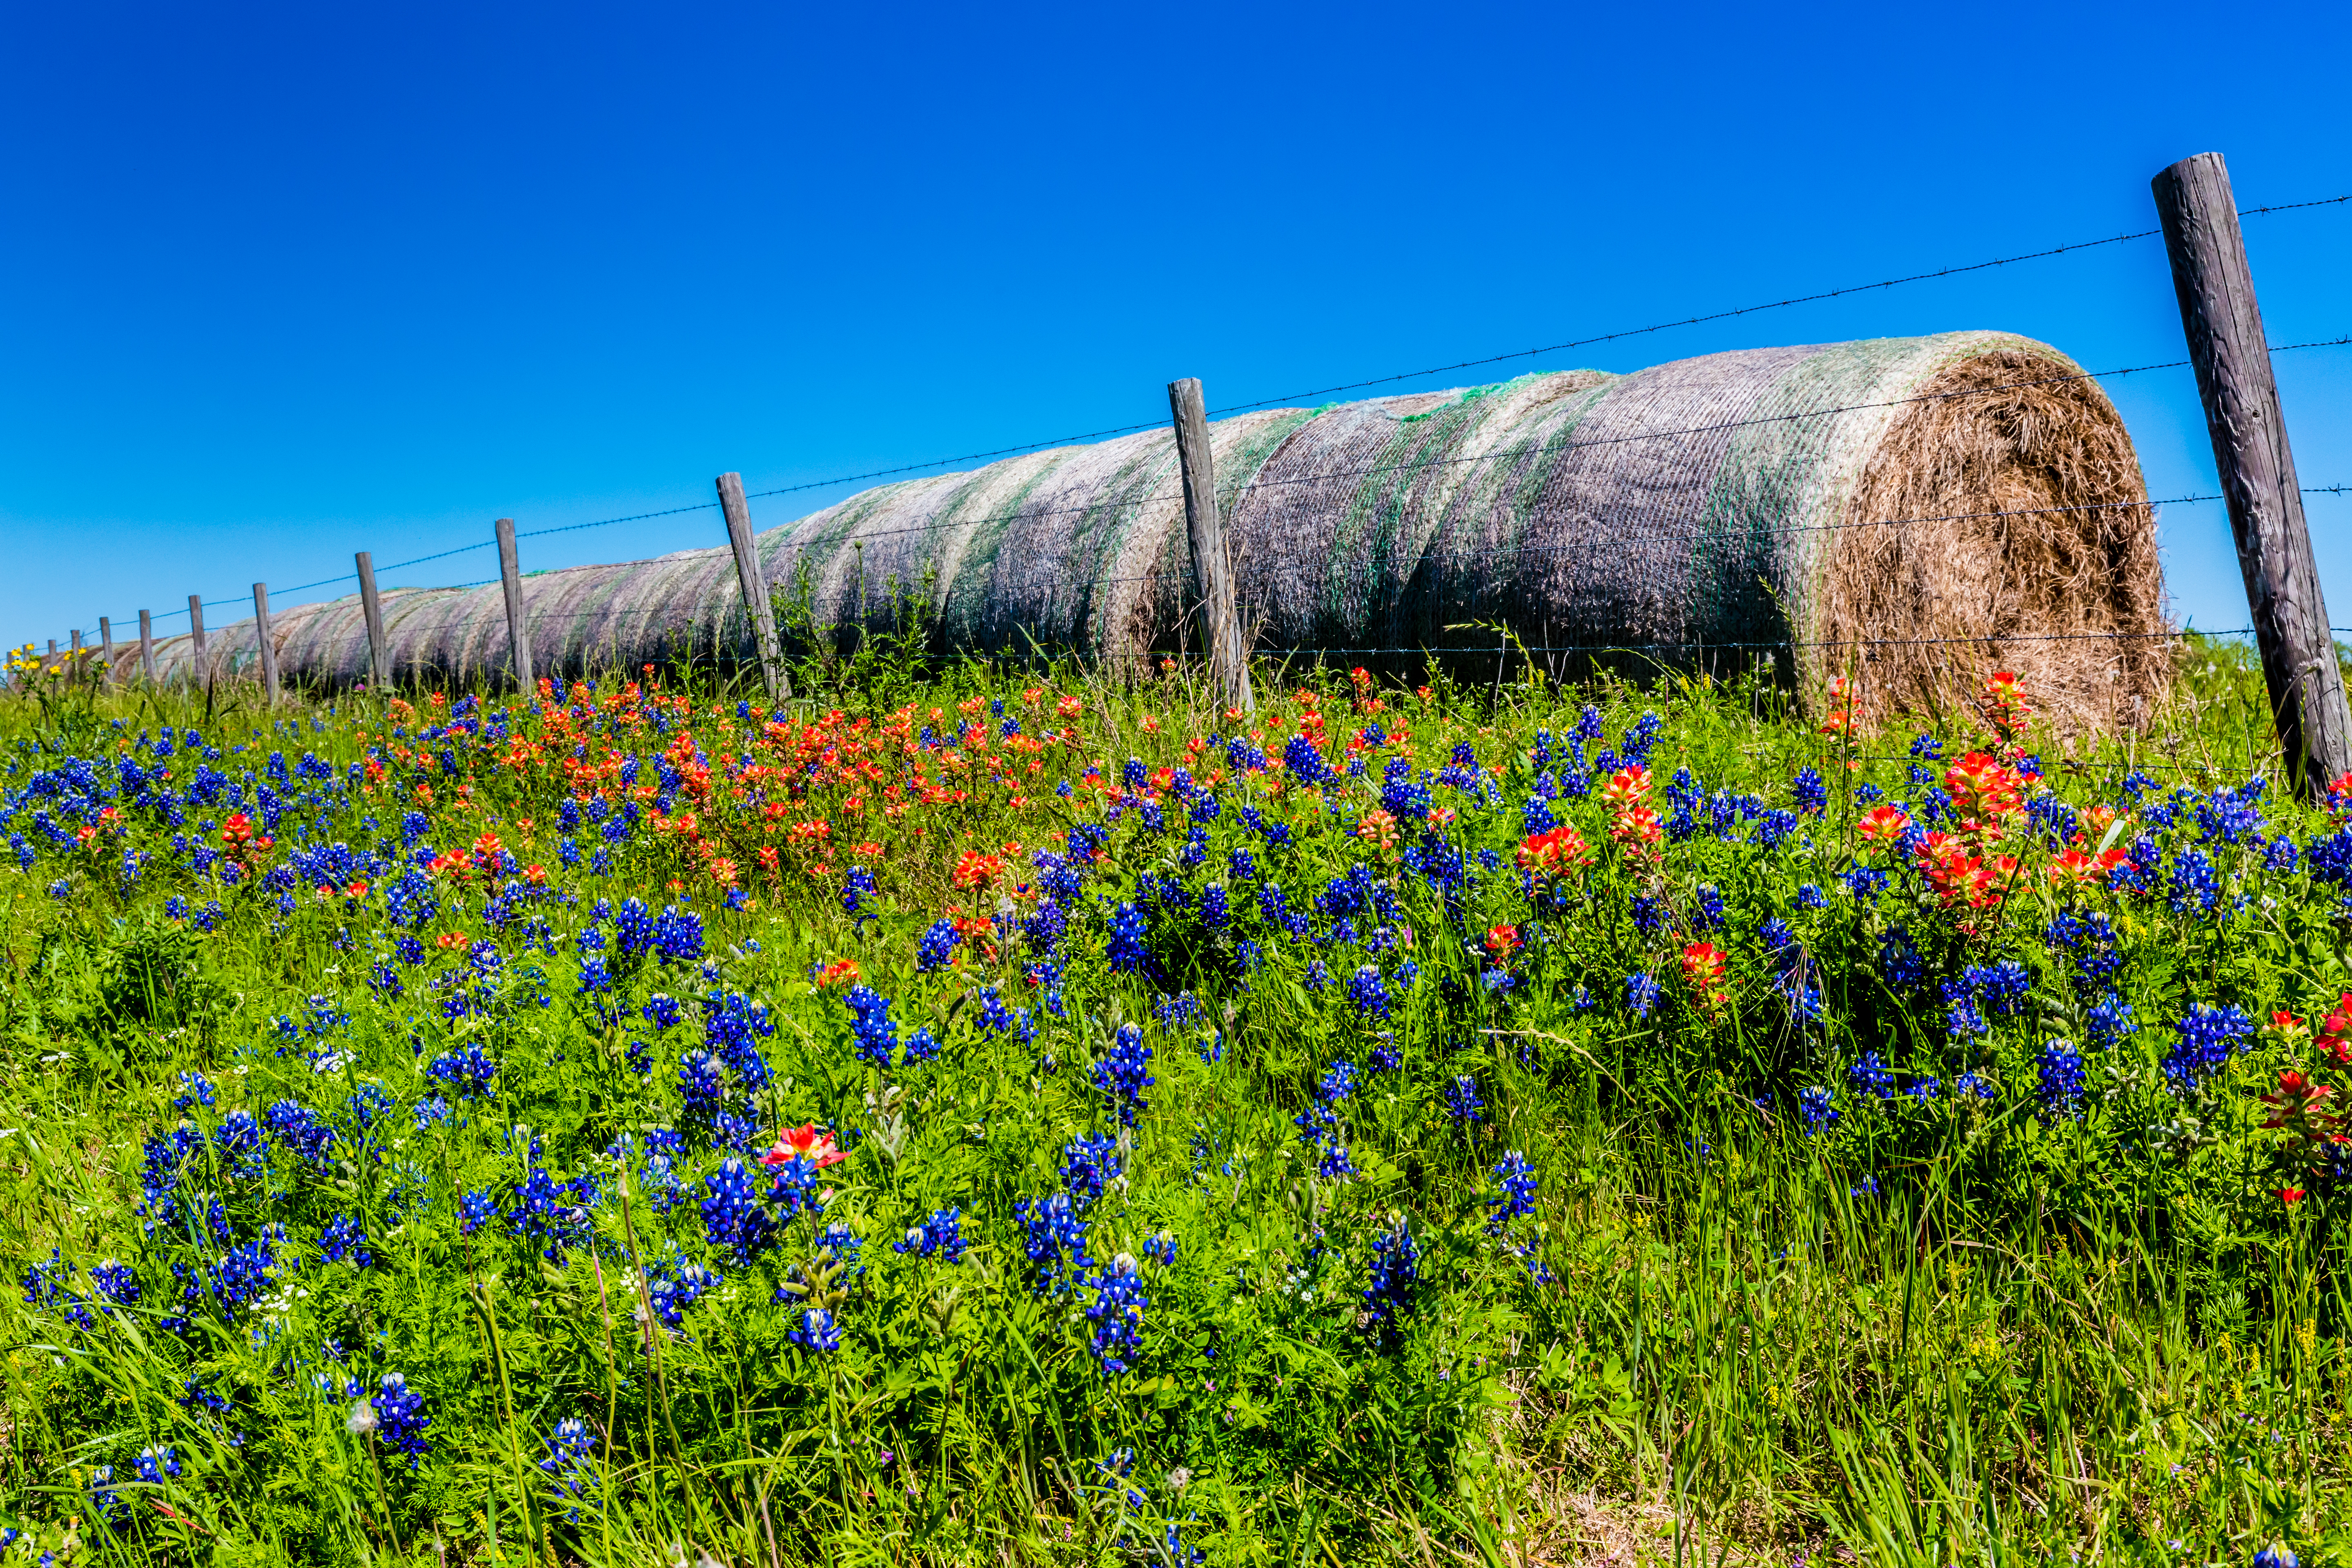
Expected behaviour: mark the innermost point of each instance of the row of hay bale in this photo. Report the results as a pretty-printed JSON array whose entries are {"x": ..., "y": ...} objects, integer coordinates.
[{"x": 1910, "y": 512}]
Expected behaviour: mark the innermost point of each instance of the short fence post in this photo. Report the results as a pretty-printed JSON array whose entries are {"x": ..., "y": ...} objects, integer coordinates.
[
  {"x": 518, "y": 633},
  {"x": 266, "y": 643},
  {"x": 106, "y": 647},
  {"x": 1212, "y": 576},
  {"x": 74, "y": 671},
  {"x": 371, "y": 607},
  {"x": 197, "y": 674},
  {"x": 755, "y": 586},
  {"x": 147, "y": 646},
  {"x": 2226, "y": 343}
]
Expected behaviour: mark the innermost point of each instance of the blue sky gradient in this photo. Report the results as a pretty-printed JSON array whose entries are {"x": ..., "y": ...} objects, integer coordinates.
[{"x": 285, "y": 282}]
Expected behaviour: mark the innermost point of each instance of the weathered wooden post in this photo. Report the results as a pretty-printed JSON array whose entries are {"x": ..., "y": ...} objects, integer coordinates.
[
  {"x": 197, "y": 673},
  {"x": 106, "y": 647},
  {"x": 755, "y": 586},
  {"x": 371, "y": 609},
  {"x": 2226, "y": 343},
  {"x": 74, "y": 671},
  {"x": 517, "y": 631},
  {"x": 1212, "y": 576},
  {"x": 147, "y": 646},
  {"x": 266, "y": 643}
]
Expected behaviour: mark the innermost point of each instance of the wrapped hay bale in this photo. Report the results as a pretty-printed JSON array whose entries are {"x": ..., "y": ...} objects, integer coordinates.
[{"x": 1912, "y": 513}]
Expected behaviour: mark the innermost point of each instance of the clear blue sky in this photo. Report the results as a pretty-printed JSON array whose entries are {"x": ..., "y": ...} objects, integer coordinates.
[{"x": 285, "y": 282}]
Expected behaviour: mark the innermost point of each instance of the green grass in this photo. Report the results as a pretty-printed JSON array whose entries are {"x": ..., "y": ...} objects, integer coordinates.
[{"x": 1933, "y": 1330}]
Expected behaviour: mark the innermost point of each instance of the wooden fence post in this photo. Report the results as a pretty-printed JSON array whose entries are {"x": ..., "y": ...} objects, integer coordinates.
[
  {"x": 2226, "y": 343},
  {"x": 517, "y": 631},
  {"x": 371, "y": 608},
  {"x": 74, "y": 671},
  {"x": 1212, "y": 575},
  {"x": 106, "y": 647},
  {"x": 755, "y": 586},
  {"x": 147, "y": 646},
  {"x": 197, "y": 674},
  {"x": 266, "y": 643}
]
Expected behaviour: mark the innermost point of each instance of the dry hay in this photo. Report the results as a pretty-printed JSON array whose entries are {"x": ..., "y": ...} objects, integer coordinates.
[{"x": 1817, "y": 505}]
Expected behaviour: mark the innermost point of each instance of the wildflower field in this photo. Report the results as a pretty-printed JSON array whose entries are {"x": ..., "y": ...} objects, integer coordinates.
[{"x": 1021, "y": 1118}]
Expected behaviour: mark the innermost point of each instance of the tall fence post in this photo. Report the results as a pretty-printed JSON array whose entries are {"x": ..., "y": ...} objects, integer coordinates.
[
  {"x": 371, "y": 608},
  {"x": 147, "y": 646},
  {"x": 517, "y": 631},
  {"x": 74, "y": 671},
  {"x": 196, "y": 671},
  {"x": 106, "y": 647},
  {"x": 755, "y": 586},
  {"x": 1212, "y": 573},
  {"x": 266, "y": 643},
  {"x": 2226, "y": 343}
]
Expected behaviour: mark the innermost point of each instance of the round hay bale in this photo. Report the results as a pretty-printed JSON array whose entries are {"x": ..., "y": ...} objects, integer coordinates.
[{"x": 1910, "y": 512}]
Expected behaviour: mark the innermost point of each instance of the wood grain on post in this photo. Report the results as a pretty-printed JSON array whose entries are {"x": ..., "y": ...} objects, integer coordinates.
[
  {"x": 197, "y": 674},
  {"x": 755, "y": 586},
  {"x": 517, "y": 631},
  {"x": 105, "y": 648},
  {"x": 266, "y": 643},
  {"x": 371, "y": 610},
  {"x": 1212, "y": 575},
  {"x": 147, "y": 646},
  {"x": 73, "y": 668},
  {"x": 2226, "y": 343}
]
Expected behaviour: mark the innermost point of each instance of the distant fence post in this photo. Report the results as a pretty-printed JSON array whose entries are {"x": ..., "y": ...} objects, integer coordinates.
[
  {"x": 755, "y": 586},
  {"x": 106, "y": 647},
  {"x": 1212, "y": 573},
  {"x": 2226, "y": 343},
  {"x": 266, "y": 643},
  {"x": 147, "y": 646},
  {"x": 371, "y": 607},
  {"x": 196, "y": 671},
  {"x": 518, "y": 633},
  {"x": 74, "y": 671}
]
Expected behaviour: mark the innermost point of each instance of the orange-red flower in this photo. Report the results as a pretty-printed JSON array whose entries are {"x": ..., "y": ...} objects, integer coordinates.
[
  {"x": 1555, "y": 852},
  {"x": 1703, "y": 964},
  {"x": 975, "y": 870},
  {"x": 2075, "y": 866},
  {"x": 840, "y": 972},
  {"x": 1983, "y": 789},
  {"x": 1882, "y": 825},
  {"x": 1502, "y": 941},
  {"x": 1626, "y": 787},
  {"x": 804, "y": 1143}
]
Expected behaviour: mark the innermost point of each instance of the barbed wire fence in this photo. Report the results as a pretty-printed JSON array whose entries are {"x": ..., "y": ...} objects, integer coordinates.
[{"x": 727, "y": 630}]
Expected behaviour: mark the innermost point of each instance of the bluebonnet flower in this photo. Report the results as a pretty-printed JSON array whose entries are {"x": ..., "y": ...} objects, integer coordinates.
[
  {"x": 940, "y": 1236},
  {"x": 1126, "y": 949},
  {"x": 1395, "y": 1272},
  {"x": 297, "y": 1129},
  {"x": 1370, "y": 993},
  {"x": 938, "y": 943},
  {"x": 2059, "y": 1085},
  {"x": 1869, "y": 1077},
  {"x": 673, "y": 1285},
  {"x": 1813, "y": 796},
  {"x": 2192, "y": 883},
  {"x": 194, "y": 1089},
  {"x": 1123, "y": 1073},
  {"x": 342, "y": 1241},
  {"x": 158, "y": 1464},
  {"x": 816, "y": 1333},
  {"x": 466, "y": 1072},
  {"x": 1815, "y": 1107},
  {"x": 1089, "y": 1165},
  {"x": 476, "y": 1209},
  {"x": 1117, "y": 1313},
  {"x": 1055, "y": 1239},
  {"x": 1865, "y": 883},
  {"x": 1318, "y": 974},
  {"x": 876, "y": 1035},
  {"x": 400, "y": 1416},
  {"x": 2207, "y": 1036},
  {"x": 2110, "y": 1021},
  {"x": 1518, "y": 1196},
  {"x": 732, "y": 1217},
  {"x": 678, "y": 935},
  {"x": 1463, "y": 1101},
  {"x": 1641, "y": 994}
]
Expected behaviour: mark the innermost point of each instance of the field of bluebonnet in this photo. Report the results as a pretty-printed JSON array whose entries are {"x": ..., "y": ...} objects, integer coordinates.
[{"x": 1012, "y": 1117}]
